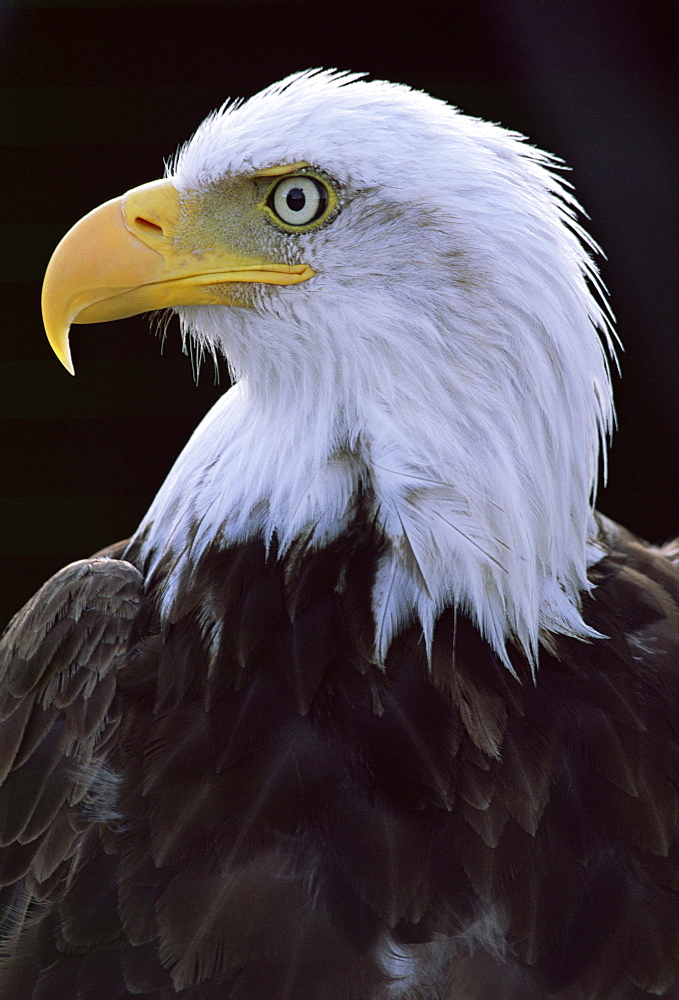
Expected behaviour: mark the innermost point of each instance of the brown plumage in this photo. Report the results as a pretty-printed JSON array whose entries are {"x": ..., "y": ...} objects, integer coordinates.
[{"x": 253, "y": 818}]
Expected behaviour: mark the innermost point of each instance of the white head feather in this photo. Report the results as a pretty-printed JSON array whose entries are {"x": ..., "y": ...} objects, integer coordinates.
[{"x": 448, "y": 353}]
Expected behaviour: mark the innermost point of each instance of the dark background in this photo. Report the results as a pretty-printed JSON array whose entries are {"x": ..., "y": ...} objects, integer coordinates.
[{"x": 95, "y": 97}]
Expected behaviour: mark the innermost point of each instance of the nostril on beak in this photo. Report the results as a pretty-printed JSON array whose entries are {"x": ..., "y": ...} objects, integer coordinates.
[
  {"x": 147, "y": 226},
  {"x": 151, "y": 212}
]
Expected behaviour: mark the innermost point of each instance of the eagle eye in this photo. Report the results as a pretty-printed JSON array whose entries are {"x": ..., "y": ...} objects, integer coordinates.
[{"x": 300, "y": 201}]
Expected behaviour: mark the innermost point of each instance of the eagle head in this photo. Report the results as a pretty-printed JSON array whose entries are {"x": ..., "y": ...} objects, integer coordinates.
[{"x": 409, "y": 309}]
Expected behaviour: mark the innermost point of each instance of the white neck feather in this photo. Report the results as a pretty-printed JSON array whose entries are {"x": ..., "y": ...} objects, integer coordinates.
[{"x": 482, "y": 467}]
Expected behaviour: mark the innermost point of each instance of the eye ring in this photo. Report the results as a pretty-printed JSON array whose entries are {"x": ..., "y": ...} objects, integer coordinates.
[{"x": 300, "y": 201}]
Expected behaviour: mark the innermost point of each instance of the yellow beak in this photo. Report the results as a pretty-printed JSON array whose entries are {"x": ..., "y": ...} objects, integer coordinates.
[{"x": 126, "y": 257}]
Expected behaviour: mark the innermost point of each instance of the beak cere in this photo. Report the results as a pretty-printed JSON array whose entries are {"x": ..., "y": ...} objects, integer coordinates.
[{"x": 123, "y": 258}]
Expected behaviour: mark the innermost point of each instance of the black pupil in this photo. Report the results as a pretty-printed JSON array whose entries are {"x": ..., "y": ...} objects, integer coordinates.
[{"x": 295, "y": 199}]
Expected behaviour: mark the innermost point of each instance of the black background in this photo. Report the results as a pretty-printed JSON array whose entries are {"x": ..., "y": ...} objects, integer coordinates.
[{"x": 95, "y": 97}]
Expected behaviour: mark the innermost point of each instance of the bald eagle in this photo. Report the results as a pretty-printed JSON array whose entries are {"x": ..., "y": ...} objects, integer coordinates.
[{"x": 373, "y": 705}]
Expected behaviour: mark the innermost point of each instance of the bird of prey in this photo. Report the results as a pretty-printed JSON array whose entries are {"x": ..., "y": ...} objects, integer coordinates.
[{"x": 373, "y": 705}]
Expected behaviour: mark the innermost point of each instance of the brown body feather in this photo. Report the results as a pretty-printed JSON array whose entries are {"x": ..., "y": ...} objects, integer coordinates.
[{"x": 237, "y": 804}]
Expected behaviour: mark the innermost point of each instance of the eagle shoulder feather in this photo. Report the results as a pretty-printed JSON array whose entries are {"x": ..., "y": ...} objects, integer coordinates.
[{"x": 59, "y": 658}]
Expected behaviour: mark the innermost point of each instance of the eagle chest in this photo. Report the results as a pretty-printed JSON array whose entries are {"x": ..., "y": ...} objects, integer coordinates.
[{"x": 274, "y": 776}]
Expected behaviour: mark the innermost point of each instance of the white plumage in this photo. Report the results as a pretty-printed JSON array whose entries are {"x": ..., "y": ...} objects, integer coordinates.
[{"x": 448, "y": 354}]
